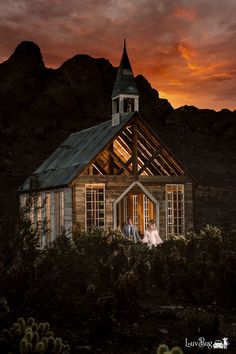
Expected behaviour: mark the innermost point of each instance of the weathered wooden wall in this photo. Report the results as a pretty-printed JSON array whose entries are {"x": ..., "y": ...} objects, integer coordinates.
[
  {"x": 51, "y": 224},
  {"x": 67, "y": 212},
  {"x": 189, "y": 204},
  {"x": 116, "y": 185}
]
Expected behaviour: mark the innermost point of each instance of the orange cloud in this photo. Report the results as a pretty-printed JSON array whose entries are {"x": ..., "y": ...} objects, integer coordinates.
[
  {"x": 199, "y": 70},
  {"x": 180, "y": 46},
  {"x": 186, "y": 14},
  {"x": 186, "y": 51}
]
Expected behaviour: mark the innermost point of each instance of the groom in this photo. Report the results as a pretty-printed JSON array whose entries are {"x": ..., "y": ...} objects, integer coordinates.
[{"x": 130, "y": 230}]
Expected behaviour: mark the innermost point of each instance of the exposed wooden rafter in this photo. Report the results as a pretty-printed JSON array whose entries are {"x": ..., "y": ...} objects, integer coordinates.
[
  {"x": 125, "y": 146},
  {"x": 135, "y": 150},
  {"x": 111, "y": 165},
  {"x": 99, "y": 168},
  {"x": 166, "y": 155},
  {"x": 150, "y": 161},
  {"x": 119, "y": 161},
  {"x": 163, "y": 159},
  {"x": 127, "y": 164},
  {"x": 154, "y": 168}
]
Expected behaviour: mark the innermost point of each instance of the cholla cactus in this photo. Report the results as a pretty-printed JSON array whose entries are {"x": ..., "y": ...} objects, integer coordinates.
[
  {"x": 176, "y": 350},
  {"x": 28, "y": 337},
  {"x": 164, "y": 349},
  {"x": 4, "y": 309}
]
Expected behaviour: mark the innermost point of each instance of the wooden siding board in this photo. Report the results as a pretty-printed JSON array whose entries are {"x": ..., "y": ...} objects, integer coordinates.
[
  {"x": 52, "y": 218},
  {"x": 79, "y": 203},
  {"x": 68, "y": 210},
  {"x": 43, "y": 196},
  {"x": 115, "y": 186},
  {"x": 188, "y": 206}
]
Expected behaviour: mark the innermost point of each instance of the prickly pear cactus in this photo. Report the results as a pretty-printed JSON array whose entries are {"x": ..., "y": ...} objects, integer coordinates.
[
  {"x": 164, "y": 349},
  {"x": 28, "y": 337}
]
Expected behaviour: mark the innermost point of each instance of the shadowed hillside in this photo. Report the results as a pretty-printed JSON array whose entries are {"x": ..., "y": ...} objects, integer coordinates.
[{"x": 40, "y": 107}]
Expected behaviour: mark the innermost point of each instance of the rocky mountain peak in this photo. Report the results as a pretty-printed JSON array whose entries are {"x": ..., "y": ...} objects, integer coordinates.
[{"x": 27, "y": 53}]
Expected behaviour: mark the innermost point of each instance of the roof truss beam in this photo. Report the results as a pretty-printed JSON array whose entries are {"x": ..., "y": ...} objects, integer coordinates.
[
  {"x": 99, "y": 168},
  {"x": 127, "y": 164},
  {"x": 119, "y": 161},
  {"x": 150, "y": 161}
]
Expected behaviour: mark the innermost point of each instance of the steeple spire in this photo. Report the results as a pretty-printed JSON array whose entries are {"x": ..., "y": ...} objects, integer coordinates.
[{"x": 125, "y": 94}]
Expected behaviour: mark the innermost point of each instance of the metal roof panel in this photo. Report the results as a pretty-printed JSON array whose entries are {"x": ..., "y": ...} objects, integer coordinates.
[{"x": 74, "y": 154}]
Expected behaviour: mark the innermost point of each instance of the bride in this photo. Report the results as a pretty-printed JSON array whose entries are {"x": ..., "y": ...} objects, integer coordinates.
[{"x": 151, "y": 235}]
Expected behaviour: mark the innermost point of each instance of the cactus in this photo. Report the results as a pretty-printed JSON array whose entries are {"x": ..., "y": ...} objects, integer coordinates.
[
  {"x": 28, "y": 337},
  {"x": 4, "y": 309},
  {"x": 164, "y": 349},
  {"x": 176, "y": 350}
]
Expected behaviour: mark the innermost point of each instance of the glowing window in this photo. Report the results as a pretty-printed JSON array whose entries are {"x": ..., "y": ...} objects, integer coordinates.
[
  {"x": 145, "y": 211},
  {"x": 95, "y": 205},
  {"x": 175, "y": 209}
]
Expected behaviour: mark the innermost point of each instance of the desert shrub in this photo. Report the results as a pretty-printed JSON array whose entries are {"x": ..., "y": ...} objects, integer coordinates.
[
  {"x": 195, "y": 268},
  {"x": 87, "y": 282},
  {"x": 126, "y": 295},
  {"x": 19, "y": 254},
  {"x": 209, "y": 232}
]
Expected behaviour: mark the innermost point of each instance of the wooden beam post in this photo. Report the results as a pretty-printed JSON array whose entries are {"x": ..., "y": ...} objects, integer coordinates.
[
  {"x": 135, "y": 150},
  {"x": 111, "y": 166},
  {"x": 120, "y": 162}
]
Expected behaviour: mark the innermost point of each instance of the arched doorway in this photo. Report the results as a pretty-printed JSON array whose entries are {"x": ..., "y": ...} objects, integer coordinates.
[{"x": 139, "y": 204}]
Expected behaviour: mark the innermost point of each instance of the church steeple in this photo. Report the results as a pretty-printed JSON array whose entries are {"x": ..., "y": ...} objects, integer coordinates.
[{"x": 125, "y": 96}]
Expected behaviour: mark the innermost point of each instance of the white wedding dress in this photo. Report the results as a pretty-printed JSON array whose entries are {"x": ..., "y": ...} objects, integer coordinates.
[{"x": 152, "y": 238}]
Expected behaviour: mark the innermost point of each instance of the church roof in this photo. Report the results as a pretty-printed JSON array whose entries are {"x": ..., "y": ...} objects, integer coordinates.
[
  {"x": 73, "y": 155},
  {"x": 125, "y": 82}
]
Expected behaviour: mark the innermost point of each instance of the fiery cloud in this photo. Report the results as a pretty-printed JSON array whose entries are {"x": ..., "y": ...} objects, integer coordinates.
[{"x": 186, "y": 49}]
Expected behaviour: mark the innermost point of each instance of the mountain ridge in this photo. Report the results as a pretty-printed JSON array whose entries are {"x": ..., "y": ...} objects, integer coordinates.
[{"x": 40, "y": 107}]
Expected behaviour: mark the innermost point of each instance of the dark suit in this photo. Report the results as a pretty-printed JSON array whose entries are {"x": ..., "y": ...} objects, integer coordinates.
[{"x": 130, "y": 230}]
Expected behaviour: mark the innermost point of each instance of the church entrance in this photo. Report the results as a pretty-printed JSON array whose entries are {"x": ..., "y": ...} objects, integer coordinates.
[{"x": 136, "y": 203}]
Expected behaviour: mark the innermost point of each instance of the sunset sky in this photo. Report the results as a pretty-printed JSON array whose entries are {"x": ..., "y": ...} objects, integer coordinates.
[{"x": 185, "y": 48}]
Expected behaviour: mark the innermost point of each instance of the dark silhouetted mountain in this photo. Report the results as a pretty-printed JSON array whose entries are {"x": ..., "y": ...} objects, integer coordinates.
[{"x": 40, "y": 107}]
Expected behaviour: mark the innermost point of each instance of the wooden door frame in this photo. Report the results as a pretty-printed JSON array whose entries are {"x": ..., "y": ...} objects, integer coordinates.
[{"x": 146, "y": 192}]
